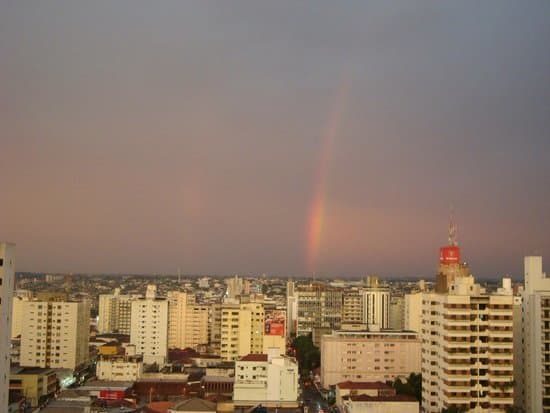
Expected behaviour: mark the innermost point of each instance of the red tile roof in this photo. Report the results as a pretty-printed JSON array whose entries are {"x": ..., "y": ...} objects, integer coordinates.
[
  {"x": 159, "y": 407},
  {"x": 255, "y": 357}
]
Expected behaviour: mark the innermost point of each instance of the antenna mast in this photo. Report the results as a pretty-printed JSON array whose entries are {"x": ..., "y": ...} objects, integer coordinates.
[{"x": 452, "y": 230}]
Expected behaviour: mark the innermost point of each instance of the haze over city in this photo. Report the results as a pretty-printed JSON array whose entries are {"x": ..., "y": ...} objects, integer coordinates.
[{"x": 282, "y": 138}]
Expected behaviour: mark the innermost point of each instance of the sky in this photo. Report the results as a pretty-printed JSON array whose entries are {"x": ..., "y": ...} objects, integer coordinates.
[{"x": 286, "y": 138}]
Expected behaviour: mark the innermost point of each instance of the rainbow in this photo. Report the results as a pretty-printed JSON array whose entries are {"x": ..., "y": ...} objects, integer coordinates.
[{"x": 316, "y": 215}]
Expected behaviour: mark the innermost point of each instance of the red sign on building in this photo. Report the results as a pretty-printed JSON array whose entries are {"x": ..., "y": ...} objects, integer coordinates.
[
  {"x": 449, "y": 255},
  {"x": 111, "y": 394}
]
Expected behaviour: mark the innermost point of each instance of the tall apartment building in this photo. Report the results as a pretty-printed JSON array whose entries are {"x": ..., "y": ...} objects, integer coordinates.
[
  {"x": 7, "y": 282},
  {"x": 369, "y": 356},
  {"x": 291, "y": 309},
  {"x": 368, "y": 305},
  {"x": 149, "y": 327},
  {"x": 319, "y": 306},
  {"x": 187, "y": 321},
  {"x": 412, "y": 319},
  {"x": 236, "y": 286},
  {"x": 352, "y": 308},
  {"x": 396, "y": 318},
  {"x": 536, "y": 337},
  {"x": 215, "y": 328},
  {"x": 55, "y": 334},
  {"x": 467, "y": 348},
  {"x": 115, "y": 312},
  {"x": 519, "y": 362},
  {"x": 241, "y": 329},
  {"x": 376, "y": 303},
  {"x": 17, "y": 319}
]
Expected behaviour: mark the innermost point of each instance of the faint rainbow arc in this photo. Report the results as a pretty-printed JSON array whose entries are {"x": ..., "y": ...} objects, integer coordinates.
[{"x": 316, "y": 215}]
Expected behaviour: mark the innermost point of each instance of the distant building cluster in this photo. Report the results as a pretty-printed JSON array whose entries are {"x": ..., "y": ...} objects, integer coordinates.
[{"x": 209, "y": 344}]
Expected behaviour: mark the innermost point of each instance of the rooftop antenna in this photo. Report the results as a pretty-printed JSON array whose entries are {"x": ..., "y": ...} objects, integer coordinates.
[
  {"x": 179, "y": 275},
  {"x": 452, "y": 230}
]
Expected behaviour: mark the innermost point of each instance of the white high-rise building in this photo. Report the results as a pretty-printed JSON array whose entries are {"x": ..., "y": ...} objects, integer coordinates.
[
  {"x": 149, "y": 327},
  {"x": 376, "y": 306},
  {"x": 55, "y": 334},
  {"x": 187, "y": 321},
  {"x": 17, "y": 319},
  {"x": 536, "y": 338},
  {"x": 115, "y": 312},
  {"x": 467, "y": 348},
  {"x": 7, "y": 282},
  {"x": 412, "y": 319},
  {"x": 291, "y": 309}
]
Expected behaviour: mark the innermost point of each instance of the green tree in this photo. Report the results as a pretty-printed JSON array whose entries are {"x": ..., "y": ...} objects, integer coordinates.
[
  {"x": 411, "y": 387},
  {"x": 307, "y": 354}
]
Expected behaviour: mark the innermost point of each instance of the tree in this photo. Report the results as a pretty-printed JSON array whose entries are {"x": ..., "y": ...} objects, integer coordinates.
[
  {"x": 412, "y": 387},
  {"x": 307, "y": 354}
]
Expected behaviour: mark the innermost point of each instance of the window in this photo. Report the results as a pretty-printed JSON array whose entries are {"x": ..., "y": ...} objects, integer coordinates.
[{"x": 1, "y": 262}]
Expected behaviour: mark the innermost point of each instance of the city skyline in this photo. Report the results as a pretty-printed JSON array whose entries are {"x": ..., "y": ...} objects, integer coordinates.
[{"x": 278, "y": 138}]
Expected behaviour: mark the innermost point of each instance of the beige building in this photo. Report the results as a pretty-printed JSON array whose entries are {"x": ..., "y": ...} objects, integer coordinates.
[
  {"x": 241, "y": 330},
  {"x": 115, "y": 312},
  {"x": 34, "y": 384},
  {"x": 352, "y": 307},
  {"x": 369, "y": 356},
  {"x": 271, "y": 380},
  {"x": 397, "y": 313},
  {"x": 119, "y": 367},
  {"x": 55, "y": 334},
  {"x": 17, "y": 320},
  {"x": 149, "y": 327},
  {"x": 7, "y": 282},
  {"x": 187, "y": 321},
  {"x": 536, "y": 338},
  {"x": 412, "y": 319},
  {"x": 467, "y": 348}
]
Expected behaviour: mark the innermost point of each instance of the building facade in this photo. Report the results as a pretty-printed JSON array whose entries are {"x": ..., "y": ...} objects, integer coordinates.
[
  {"x": 187, "y": 321},
  {"x": 536, "y": 337},
  {"x": 120, "y": 367},
  {"x": 266, "y": 379},
  {"x": 55, "y": 334},
  {"x": 397, "y": 312},
  {"x": 34, "y": 384},
  {"x": 319, "y": 306},
  {"x": 376, "y": 306},
  {"x": 115, "y": 312},
  {"x": 369, "y": 356},
  {"x": 412, "y": 318},
  {"x": 17, "y": 320},
  {"x": 467, "y": 348},
  {"x": 241, "y": 330},
  {"x": 149, "y": 327},
  {"x": 7, "y": 282}
]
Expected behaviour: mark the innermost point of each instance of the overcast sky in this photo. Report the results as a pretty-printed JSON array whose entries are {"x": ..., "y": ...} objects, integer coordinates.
[{"x": 143, "y": 136}]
